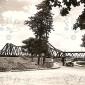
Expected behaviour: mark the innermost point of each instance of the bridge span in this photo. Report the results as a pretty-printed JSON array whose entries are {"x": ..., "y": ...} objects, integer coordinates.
[{"x": 12, "y": 50}]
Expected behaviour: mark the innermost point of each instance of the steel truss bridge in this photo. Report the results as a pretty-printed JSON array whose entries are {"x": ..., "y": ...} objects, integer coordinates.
[{"x": 11, "y": 50}]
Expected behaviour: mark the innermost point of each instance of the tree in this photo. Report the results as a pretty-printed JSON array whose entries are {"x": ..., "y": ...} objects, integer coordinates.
[
  {"x": 41, "y": 22},
  {"x": 41, "y": 25},
  {"x": 32, "y": 44}
]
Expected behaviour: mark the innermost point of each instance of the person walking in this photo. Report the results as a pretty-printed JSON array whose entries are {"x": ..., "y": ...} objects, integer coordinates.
[{"x": 63, "y": 61}]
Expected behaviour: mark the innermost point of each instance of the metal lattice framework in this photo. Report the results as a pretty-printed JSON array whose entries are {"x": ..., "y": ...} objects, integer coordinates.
[
  {"x": 54, "y": 51},
  {"x": 13, "y": 50},
  {"x": 76, "y": 55}
]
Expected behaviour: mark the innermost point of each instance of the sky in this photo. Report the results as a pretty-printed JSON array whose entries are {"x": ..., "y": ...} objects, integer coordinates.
[{"x": 13, "y": 13}]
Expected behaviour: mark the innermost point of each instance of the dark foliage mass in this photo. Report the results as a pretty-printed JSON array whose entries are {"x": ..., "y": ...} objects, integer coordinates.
[
  {"x": 35, "y": 46},
  {"x": 67, "y": 4},
  {"x": 80, "y": 21},
  {"x": 83, "y": 41},
  {"x": 41, "y": 22},
  {"x": 64, "y": 11}
]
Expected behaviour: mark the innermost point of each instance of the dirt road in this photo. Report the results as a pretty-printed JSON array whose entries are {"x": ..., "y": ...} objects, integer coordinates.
[{"x": 60, "y": 76}]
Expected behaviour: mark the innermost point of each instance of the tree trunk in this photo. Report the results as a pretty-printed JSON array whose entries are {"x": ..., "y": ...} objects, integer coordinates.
[
  {"x": 39, "y": 60},
  {"x": 32, "y": 57},
  {"x": 44, "y": 60}
]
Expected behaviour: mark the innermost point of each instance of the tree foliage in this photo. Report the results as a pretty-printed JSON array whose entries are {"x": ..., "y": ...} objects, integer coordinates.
[
  {"x": 33, "y": 46},
  {"x": 83, "y": 41},
  {"x": 36, "y": 48},
  {"x": 67, "y": 5},
  {"x": 29, "y": 44},
  {"x": 80, "y": 21},
  {"x": 41, "y": 22}
]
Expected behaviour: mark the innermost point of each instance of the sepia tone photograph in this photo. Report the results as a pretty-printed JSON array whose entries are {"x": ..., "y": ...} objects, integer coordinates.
[{"x": 42, "y": 42}]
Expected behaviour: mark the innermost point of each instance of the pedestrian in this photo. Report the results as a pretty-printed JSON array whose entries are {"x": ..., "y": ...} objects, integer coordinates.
[{"x": 63, "y": 60}]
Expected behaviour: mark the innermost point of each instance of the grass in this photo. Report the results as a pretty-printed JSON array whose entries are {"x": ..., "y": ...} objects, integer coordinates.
[{"x": 20, "y": 63}]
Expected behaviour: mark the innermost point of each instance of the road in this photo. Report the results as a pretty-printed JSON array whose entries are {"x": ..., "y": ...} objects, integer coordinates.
[{"x": 60, "y": 76}]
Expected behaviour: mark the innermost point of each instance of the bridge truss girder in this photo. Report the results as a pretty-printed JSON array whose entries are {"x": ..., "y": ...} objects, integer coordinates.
[
  {"x": 75, "y": 55},
  {"x": 56, "y": 53},
  {"x": 12, "y": 50}
]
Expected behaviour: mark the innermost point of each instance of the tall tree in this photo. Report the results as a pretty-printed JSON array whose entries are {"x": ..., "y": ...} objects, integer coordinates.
[{"x": 41, "y": 25}]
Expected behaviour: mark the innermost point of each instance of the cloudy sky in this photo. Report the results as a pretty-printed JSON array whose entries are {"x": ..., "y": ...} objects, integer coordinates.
[{"x": 13, "y": 13}]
